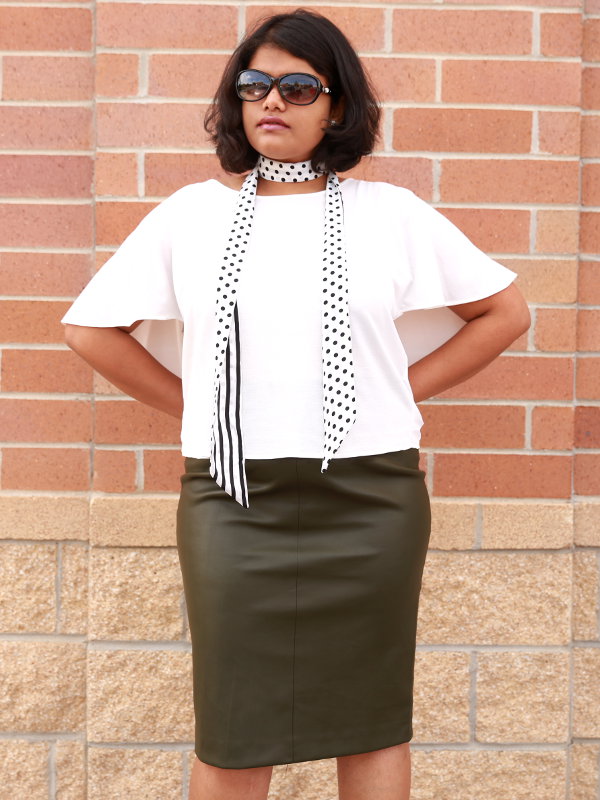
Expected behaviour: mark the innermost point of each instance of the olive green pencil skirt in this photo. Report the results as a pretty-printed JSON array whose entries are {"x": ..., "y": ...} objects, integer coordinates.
[{"x": 303, "y": 607}]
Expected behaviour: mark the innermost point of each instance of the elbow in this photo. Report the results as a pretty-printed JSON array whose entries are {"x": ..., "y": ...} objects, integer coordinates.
[
  {"x": 524, "y": 320},
  {"x": 71, "y": 335}
]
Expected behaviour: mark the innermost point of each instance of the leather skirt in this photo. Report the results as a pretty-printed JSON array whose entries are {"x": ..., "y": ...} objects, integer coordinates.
[{"x": 303, "y": 607}]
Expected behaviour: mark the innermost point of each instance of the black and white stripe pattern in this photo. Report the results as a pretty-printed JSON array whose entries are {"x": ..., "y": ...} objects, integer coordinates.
[{"x": 339, "y": 400}]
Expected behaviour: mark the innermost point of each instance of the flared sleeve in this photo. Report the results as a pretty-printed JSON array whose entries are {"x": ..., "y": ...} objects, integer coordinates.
[
  {"x": 440, "y": 265},
  {"x": 136, "y": 283}
]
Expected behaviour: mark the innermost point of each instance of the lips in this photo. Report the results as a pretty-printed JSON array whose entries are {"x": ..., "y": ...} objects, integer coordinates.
[{"x": 272, "y": 124}]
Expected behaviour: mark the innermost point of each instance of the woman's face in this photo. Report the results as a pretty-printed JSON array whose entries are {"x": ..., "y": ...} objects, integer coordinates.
[{"x": 294, "y": 131}]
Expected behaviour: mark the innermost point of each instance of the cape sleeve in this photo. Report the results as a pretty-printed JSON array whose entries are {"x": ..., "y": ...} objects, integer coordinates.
[
  {"x": 136, "y": 283},
  {"x": 440, "y": 267}
]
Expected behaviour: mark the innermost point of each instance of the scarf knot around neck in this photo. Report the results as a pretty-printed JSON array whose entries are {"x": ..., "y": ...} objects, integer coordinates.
[{"x": 227, "y": 465}]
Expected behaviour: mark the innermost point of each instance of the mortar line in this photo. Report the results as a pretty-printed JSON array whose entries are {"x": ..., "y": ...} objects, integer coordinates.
[
  {"x": 52, "y": 771},
  {"x": 473, "y": 670}
]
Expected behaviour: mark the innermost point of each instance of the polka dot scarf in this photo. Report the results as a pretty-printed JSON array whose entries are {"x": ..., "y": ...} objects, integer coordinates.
[{"x": 339, "y": 401}]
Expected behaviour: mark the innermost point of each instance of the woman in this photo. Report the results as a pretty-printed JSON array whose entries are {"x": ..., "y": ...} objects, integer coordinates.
[{"x": 301, "y": 576}]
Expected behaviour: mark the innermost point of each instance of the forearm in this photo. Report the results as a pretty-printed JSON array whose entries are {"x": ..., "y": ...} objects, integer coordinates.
[
  {"x": 475, "y": 346},
  {"x": 123, "y": 361}
]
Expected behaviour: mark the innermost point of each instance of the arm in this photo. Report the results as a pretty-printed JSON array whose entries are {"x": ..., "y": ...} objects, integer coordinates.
[
  {"x": 125, "y": 363},
  {"x": 492, "y": 325}
]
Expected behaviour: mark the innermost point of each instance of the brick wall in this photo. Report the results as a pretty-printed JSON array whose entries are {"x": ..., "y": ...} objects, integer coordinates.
[{"x": 492, "y": 113}]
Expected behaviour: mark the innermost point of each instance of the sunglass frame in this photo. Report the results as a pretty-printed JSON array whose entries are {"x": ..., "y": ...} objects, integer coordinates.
[{"x": 277, "y": 82}]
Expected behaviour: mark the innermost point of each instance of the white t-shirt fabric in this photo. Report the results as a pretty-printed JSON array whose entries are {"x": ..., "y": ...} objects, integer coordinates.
[{"x": 402, "y": 256}]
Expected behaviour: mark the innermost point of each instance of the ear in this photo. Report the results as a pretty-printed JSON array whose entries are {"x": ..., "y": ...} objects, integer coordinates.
[{"x": 337, "y": 110}]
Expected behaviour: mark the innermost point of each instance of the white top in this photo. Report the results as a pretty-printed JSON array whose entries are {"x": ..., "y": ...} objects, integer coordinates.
[{"x": 402, "y": 256}]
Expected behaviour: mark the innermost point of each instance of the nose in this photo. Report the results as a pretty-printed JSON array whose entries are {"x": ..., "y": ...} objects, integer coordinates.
[{"x": 273, "y": 99}]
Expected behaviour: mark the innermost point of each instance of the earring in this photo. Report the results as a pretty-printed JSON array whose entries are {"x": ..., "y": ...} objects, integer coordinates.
[{"x": 332, "y": 122}]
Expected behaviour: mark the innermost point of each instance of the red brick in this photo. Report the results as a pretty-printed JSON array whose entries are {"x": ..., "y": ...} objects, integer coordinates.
[
  {"x": 552, "y": 428},
  {"x": 587, "y": 473},
  {"x": 527, "y": 82},
  {"x": 590, "y": 136},
  {"x": 58, "y": 274},
  {"x": 364, "y": 27},
  {"x": 547, "y": 3},
  {"x": 45, "y": 420},
  {"x": 587, "y": 427},
  {"x": 116, "y": 174},
  {"x": 591, "y": 6},
  {"x": 559, "y": 132},
  {"x": 402, "y": 79},
  {"x": 519, "y": 378},
  {"x": 591, "y": 39},
  {"x": 556, "y": 329},
  {"x": 494, "y": 230},
  {"x": 185, "y": 75},
  {"x": 591, "y": 88},
  {"x": 125, "y": 422},
  {"x": 166, "y": 26},
  {"x": 589, "y": 234},
  {"x": 413, "y": 173},
  {"x": 162, "y": 470},
  {"x": 462, "y": 130},
  {"x": 31, "y": 321},
  {"x": 167, "y": 172},
  {"x": 494, "y": 181},
  {"x": 494, "y": 475},
  {"x": 588, "y": 378},
  {"x": 589, "y": 283},
  {"x": 46, "y": 176},
  {"x": 47, "y": 78},
  {"x": 44, "y": 371},
  {"x": 545, "y": 280},
  {"x": 114, "y": 471},
  {"x": 36, "y": 127},
  {"x": 588, "y": 329},
  {"x": 45, "y": 28},
  {"x": 45, "y": 225},
  {"x": 473, "y": 426},
  {"x": 116, "y": 220},
  {"x": 458, "y": 31},
  {"x": 151, "y": 124},
  {"x": 557, "y": 231},
  {"x": 46, "y": 468},
  {"x": 590, "y": 185},
  {"x": 561, "y": 34},
  {"x": 117, "y": 74}
]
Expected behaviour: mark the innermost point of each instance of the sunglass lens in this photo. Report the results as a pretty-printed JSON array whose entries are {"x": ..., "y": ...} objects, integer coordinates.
[
  {"x": 252, "y": 85},
  {"x": 300, "y": 89}
]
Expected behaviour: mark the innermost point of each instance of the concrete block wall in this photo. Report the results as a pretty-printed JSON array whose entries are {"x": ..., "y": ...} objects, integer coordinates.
[{"x": 492, "y": 114}]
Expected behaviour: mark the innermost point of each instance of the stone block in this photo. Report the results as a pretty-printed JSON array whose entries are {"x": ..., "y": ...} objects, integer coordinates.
[
  {"x": 586, "y": 693},
  {"x": 452, "y": 525},
  {"x": 306, "y": 780},
  {"x": 487, "y": 774},
  {"x": 27, "y": 587},
  {"x": 135, "y": 593},
  {"x": 441, "y": 697},
  {"x": 43, "y": 517},
  {"x": 522, "y": 697},
  {"x": 114, "y": 774},
  {"x": 140, "y": 695},
  {"x": 585, "y": 771},
  {"x": 496, "y": 598},
  {"x": 517, "y": 526},
  {"x": 587, "y": 524},
  {"x": 133, "y": 521},
  {"x": 586, "y": 593},
  {"x": 24, "y": 769},
  {"x": 74, "y": 588},
  {"x": 70, "y": 770},
  {"x": 42, "y": 686}
]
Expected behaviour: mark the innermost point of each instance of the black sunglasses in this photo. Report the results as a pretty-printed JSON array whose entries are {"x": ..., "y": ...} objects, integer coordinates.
[{"x": 298, "y": 88}]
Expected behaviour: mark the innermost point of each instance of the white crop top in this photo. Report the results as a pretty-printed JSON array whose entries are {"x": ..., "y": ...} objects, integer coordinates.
[{"x": 402, "y": 256}]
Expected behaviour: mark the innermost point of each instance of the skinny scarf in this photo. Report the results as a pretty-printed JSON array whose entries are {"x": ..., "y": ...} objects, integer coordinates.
[{"x": 227, "y": 465}]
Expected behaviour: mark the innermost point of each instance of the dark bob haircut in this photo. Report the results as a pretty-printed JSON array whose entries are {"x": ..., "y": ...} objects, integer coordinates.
[{"x": 315, "y": 39}]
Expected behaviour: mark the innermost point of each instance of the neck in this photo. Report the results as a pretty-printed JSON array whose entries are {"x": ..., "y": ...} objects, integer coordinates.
[
  {"x": 269, "y": 188},
  {"x": 287, "y": 177}
]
